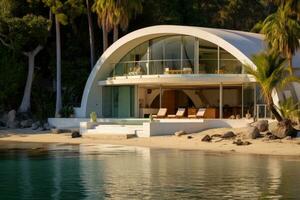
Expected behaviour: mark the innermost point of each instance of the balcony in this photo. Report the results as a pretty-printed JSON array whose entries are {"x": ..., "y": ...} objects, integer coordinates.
[{"x": 175, "y": 67}]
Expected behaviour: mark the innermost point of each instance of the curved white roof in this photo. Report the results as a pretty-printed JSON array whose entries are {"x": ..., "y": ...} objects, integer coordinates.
[{"x": 240, "y": 44}]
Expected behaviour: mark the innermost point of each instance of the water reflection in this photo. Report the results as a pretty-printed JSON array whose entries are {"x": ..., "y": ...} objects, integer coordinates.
[{"x": 118, "y": 172}]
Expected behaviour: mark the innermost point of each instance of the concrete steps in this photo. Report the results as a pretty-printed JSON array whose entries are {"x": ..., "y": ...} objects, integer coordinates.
[{"x": 114, "y": 131}]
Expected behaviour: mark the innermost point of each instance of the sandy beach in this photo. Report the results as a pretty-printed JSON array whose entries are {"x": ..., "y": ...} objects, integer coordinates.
[{"x": 260, "y": 146}]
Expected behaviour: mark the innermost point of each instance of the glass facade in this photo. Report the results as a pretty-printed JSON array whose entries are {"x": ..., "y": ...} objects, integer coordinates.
[
  {"x": 177, "y": 54},
  {"x": 118, "y": 101}
]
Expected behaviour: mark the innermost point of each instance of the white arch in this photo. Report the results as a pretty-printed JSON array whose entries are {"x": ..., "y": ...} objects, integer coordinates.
[{"x": 240, "y": 44}]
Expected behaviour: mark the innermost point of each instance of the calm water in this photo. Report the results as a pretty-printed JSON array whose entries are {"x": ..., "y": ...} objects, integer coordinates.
[{"x": 117, "y": 172}]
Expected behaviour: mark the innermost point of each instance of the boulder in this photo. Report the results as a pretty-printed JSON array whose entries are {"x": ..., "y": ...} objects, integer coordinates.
[
  {"x": 180, "y": 133},
  {"x": 189, "y": 137},
  {"x": 251, "y": 133},
  {"x": 11, "y": 116},
  {"x": 13, "y": 124},
  {"x": 239, "y": 142},
  {"x": 35, "y": 125},
  {"x": 262, "y": 125},
  {"x": 26, "y": 123},
  {"x": 206, "y": 138},
  {"x": 284, "y": 129},
  {"x": 75, "y": 134},
  {"x": 216, "y": 135},
  {"x": 228, "y": 135},
  {"x": 47, "y": 126}
]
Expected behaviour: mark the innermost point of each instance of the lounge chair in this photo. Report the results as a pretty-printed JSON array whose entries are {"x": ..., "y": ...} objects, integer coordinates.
[
  {"x": 179, "y": 114},
  {"x": 162, "y": 112},
  {"x": 199, "y": 114}
]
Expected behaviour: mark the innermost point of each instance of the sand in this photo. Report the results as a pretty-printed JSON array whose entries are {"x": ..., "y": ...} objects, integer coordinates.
[{"x": 282, "y": 147}]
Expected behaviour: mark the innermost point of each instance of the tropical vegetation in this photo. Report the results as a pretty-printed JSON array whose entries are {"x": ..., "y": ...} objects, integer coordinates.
[
  {"x": 48, "y": 48},
  {"x": 271, "y": 74}
]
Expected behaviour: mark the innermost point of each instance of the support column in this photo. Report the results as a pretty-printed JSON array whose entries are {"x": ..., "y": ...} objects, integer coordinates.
[
  {"x": 181, "y": 54},
  {"x": 196, "y": 56},
  {"x": 221, "y": 101},
  {"x": 136, "y": 102},
  {"x": 254, "y": 111},
  {"x": 148, "y": 58},
  {"x": 218, "y": 59},
  {"x": 160, "y": 96},
  {"x": 242, "y": 100}
]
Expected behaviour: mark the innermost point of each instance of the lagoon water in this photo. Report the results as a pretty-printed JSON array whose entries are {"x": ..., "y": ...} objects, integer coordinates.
[{"x": 118, "y": 172}]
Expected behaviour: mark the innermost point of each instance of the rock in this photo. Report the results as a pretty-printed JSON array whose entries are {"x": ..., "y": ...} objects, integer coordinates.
[
  {"x": 26, "y": 123},
  {"x": 189, "y": 137},
  {"x": 262, "y": 125},
  {"x": 232, "y": 117},
  {"x": 238, "y": 142},
  {"x": 47, "y": 126},
  {"x": 206, "y": 138},
  {"x": 35, "y": 125},
  {"x": 216, "y": 135},
  {"x": 228, "y": 135},
  {"x": 284, "y": 129},
  {"x": 247, "y": 143},
  {"x": 268, "y": 133},
  {"x": 13, "y": 124},
  {"x": 298, "y": 134},
  {"x": 251, "y": 133},
  {"x": 180, "y": 133},
  {"x": 58, "y": 130},
  {"x": 11, "y": 116},
  {"x": 273, "y": 137},
  {"x": 75, "y": 134}
]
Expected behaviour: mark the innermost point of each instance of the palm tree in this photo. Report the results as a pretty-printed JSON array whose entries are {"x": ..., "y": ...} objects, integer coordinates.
[
  {"x": 125, "y": 11},
  {"x": 91, "y": 34},
  {"x": 105, "y": 10},
  {"x": 271, "y": 74},
  {"x": 282, "y": 32}
]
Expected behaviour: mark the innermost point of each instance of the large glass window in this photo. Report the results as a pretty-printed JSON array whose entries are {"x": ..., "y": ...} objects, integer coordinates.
[
  {"x": 118, "y": 101},
  {"x": 229, "y": 64},
  {"x": 208, "y": 57},
  {"x": 177, "y": 54}
]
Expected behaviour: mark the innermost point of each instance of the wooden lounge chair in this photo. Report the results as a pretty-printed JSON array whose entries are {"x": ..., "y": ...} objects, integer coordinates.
[
  {"x": 162, "y": 112},
  {"x": 199, "y": 114},
  {"x": 179, "y": 114}
]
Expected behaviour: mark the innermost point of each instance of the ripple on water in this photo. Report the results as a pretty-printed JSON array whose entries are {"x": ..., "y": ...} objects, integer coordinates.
[{"x": 118, "y": 172}]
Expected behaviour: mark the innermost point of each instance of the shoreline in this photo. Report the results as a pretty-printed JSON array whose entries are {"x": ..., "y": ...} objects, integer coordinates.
[{"x": 290, "y": 148}]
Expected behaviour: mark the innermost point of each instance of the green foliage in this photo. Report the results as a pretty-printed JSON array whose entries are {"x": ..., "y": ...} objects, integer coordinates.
[
  {"x": 290, "y": 109},
  {"x": 271, "y": 74},
  {"x": 282, "y": 32},
  {"x": 67, "y": 111},
  {"x": 65, "y": 10},
  {"x": 93, "y": 116},
  {"x": 24, "y": 34}
]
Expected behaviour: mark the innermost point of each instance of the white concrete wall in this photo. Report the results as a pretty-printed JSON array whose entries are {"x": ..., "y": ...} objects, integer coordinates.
[
  {"x": 169, "y": 127},
  {"x": 66, "y": 122}
]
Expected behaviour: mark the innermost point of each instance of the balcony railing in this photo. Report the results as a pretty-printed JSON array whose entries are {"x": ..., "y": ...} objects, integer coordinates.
[{"x": 176, "y": 66}]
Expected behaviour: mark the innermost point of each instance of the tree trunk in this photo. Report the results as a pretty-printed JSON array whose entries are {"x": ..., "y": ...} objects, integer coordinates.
[
  {"x": 290, "y": 60},
  {"x": 275, "y": 112},
  {"x": 91, "y": 34},
  {"x": 116, "y": 33},
  {"x": 58, "y": 69},
  {"x": 105, "y": 38},
  {"x": 25, "y": 104}
]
